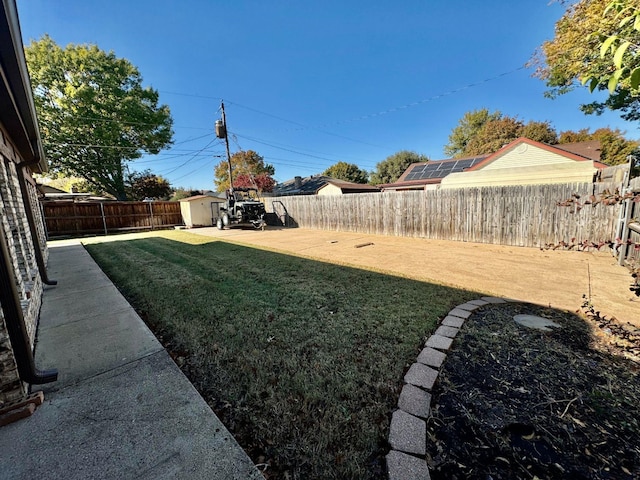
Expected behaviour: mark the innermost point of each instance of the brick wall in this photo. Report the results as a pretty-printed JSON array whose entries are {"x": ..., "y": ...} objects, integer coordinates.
[{"x": 15, "y": 227}]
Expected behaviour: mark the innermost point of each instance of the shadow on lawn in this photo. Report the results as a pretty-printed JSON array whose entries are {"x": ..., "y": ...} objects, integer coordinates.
[{"x": 302, "y": 360}]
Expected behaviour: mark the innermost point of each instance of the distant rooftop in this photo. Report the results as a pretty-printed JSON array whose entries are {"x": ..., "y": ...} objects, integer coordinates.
[{"x": 311, "y": 185}]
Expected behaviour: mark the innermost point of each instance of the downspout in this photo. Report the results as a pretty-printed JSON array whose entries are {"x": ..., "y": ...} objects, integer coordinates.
[
  {"x": 32, "y": 222},
  {"x": 16, "y": 327}
]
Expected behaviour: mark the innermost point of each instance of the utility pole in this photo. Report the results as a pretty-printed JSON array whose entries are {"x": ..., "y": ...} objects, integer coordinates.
[{"x": 221, "y": 132}]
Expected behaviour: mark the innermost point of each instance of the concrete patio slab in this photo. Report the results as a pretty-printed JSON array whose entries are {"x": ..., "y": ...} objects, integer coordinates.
[
  {"x": 77, "y": 305},
  {"x": 143, "y": 420},
  {"x": 82, "y": 349},
  {"x": 121, "y": 408}
]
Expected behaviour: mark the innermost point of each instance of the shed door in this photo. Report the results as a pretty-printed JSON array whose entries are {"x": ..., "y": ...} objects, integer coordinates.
[{"x": 215, "y": 212}]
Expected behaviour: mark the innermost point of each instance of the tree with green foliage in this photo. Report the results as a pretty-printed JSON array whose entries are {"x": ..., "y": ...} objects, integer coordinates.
[
  {"x": 468, "y": 127},
  {"x": 494, "y": 135},
  {"x": 145, "y": 184},
  {"x": 66, "y": 184},
  {"x": 480, "y": 132},
  {"x": 243, "y": 162},
  {"x": 392, "y": 167},
  {"x": 94, "y": 113},
  {"x": 539, "y": 132},
  {"x": 614, "y": 147},
  {"x": 621, "y": 47},
  {"x": 349, "y": 172},
  {"x": 182, "y": 192},
  {"x": 596, "y": 44}
]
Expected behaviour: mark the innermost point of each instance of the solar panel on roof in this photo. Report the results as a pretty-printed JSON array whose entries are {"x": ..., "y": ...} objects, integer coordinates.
[{"x": 440, "y": 169}]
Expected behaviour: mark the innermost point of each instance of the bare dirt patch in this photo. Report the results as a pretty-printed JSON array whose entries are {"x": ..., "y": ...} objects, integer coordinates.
[{"x": 514, "y": 402}]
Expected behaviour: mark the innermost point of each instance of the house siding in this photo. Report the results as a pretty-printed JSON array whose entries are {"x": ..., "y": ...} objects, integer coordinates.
[
  {"x": 29, "y": 285},
  {"x": 330, "y": 189},
  {"x": 526, "y": 155},
  {"x": 573, "y": 172}
]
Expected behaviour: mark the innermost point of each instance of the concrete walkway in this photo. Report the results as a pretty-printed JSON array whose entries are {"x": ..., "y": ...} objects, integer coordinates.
[{"x": 121, "y": 408}]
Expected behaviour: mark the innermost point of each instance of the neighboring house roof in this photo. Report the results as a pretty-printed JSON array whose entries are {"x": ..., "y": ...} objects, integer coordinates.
[
  {"x": 590, "y": 149},
  {"x": 300, "y": 186},
  {"x": 417, "y": 175},
  {"x": 76, "y": 197},
  {"x": 17, "y": 109},
  {"x": 520, "y": 145},
  {"x": 350, "y": 187},
  {"x": 525, "y": 162},
  {"x": 311, "y": 185},
  {"x": 202, "y": 197},
  {"x": 46, "y": 189}
]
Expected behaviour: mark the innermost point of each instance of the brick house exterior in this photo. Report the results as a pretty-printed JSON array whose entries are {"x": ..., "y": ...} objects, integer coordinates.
[{"x": 22, "y": 237}]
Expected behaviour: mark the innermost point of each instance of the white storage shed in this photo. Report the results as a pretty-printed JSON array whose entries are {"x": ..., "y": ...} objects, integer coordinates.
[{"x": 201, "y": 210}]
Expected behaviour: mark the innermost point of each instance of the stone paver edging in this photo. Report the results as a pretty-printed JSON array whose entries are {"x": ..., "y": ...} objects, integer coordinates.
[{"x": 407, "y": 433}]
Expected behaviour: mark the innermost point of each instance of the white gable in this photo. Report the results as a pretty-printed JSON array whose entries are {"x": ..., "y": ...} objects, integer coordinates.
[
  {"x": 526, "y": 155},
  {"x": 567, "y": 172}
]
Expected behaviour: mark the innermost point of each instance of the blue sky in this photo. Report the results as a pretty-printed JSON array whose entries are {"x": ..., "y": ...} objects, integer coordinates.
[{"x": 307, "y": 84}]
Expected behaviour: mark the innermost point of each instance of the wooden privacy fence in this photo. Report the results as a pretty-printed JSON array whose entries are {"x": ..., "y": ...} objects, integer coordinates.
[
  {"x": 82, "y": 218},
  {"x": 519, "y": 215},
  {"x": 633, "y": 223}
]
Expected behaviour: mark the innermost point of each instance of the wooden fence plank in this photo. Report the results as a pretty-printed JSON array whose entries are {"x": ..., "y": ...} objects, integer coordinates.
[
  {"x": 520, "y": 215},
  {"x": 82, "y": 218}
]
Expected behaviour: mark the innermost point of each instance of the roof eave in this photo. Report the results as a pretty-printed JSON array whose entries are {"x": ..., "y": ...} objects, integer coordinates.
[{"x": 17, "y": 108}]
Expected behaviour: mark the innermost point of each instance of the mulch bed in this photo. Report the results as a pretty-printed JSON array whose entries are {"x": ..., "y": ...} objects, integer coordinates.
[{"x": 517, "y": 403}]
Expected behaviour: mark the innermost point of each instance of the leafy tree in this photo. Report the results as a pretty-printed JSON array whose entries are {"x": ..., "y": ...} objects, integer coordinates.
[
  {"x": 243, "y": 163},
  {"x": 468, "y": 127},
  {"x": 596, "y": 44},
  {"x": 480, "y": 132},
  {"x": 181, "y": 192},
  {"x": 66, "y": 184},
  {"x": 573, "y": 136},
  {"x": 390, "y": 169},
  {"x": 494, "y": 135},
  {"x": 94, "y": 113},
  {"x": 540, "y": 132},
  {"x": 145, "y": 184},
  {"x": 348, "y": 172},
  {"x": 614, "y": 147},
  {"x": 263, "y": 182}
]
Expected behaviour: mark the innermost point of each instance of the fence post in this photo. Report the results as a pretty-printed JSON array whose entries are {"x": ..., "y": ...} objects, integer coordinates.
[
  {"x": 151, "y": 213},
  {"x": 624, "y": 248},
  {"x": 44, "y": 220},
  {"x": 104, "y": 220}
]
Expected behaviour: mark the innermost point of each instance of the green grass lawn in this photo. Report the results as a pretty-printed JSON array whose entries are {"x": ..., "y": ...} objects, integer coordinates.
[{"x": 302, "y": 360}]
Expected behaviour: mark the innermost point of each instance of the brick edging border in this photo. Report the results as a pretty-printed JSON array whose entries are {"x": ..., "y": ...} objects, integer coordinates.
[{"x": 408, "y": 430}]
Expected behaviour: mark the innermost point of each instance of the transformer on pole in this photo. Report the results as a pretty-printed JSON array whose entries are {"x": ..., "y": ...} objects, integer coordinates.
[{"x": 221, "y": 132}]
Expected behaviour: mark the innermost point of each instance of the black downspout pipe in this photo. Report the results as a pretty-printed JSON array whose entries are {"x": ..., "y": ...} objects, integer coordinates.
[
  {"x": 32, "y": 226},
  {"x": 16, "y": 327}
]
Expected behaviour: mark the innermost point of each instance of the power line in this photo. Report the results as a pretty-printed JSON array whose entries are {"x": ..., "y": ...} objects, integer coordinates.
[
  {"x": 86, "y": 145},
  {"x": 285, "y": 149},
  {"x": 192, "y": 139},
  {"x": 190, "y": 173},
  {"x": 420, "y": 102},
  {"x": 170, "y": 157},
  {"x": 194, "y": 156},
  {"x": 339, "y": 157},
  {"x": 116, "y": 120},
  {"x": 366, "y": 116},
  {"x": 306, "y": 127},
  {"x": 290, "y": 162}
]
